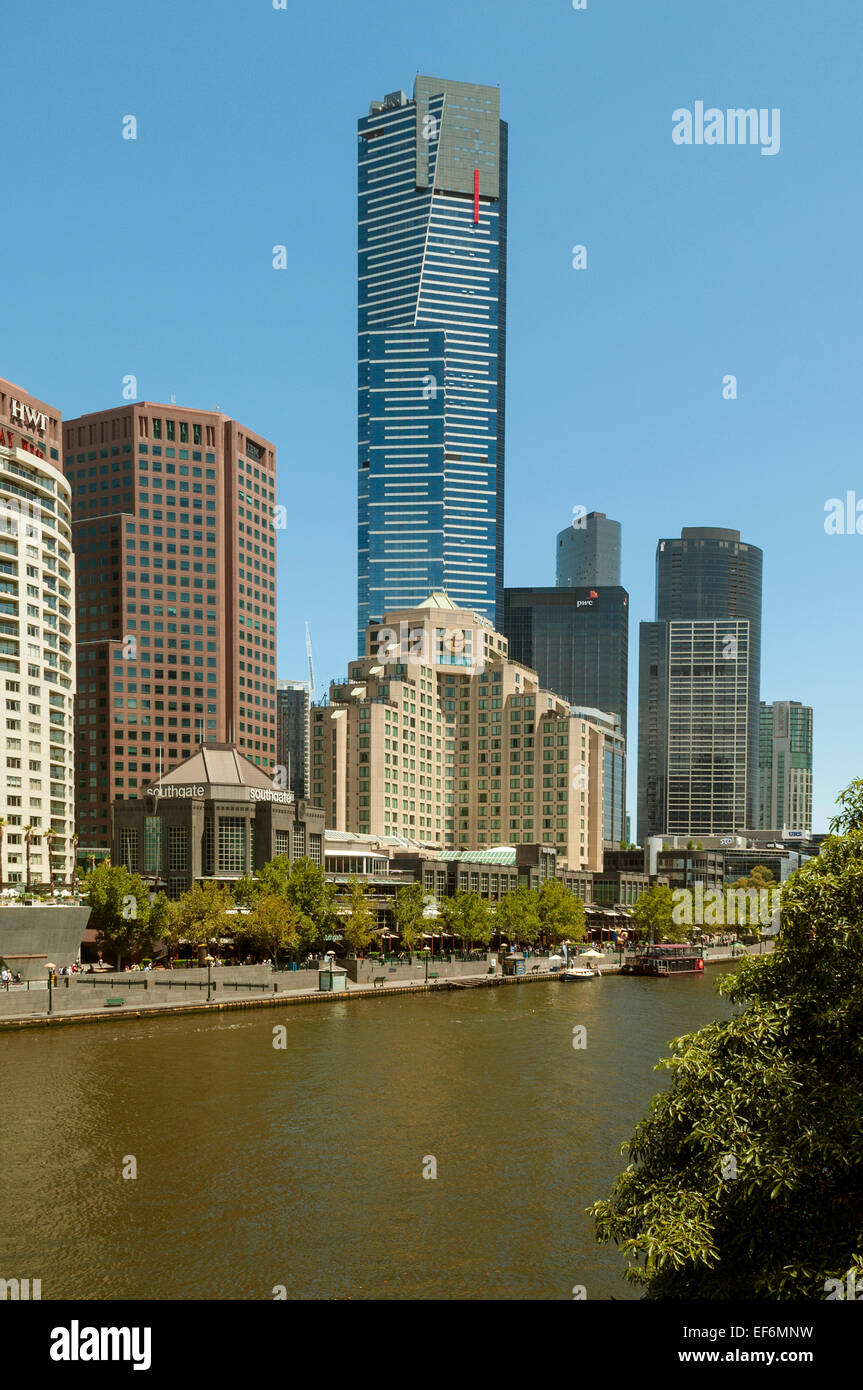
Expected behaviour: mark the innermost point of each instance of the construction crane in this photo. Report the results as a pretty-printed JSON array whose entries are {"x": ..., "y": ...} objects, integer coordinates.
[{"x": 311, "y": 663}]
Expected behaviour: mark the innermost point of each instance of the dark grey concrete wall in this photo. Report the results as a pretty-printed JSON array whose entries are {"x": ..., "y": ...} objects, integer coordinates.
[{"x": 46, "y": 933}]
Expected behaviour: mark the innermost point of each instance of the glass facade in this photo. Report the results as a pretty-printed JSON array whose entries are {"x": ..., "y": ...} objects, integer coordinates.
[
  {"x": 577, "y": 641},
  {"x": 432, "y": 349},
  {"x": 785, "y": 766}
]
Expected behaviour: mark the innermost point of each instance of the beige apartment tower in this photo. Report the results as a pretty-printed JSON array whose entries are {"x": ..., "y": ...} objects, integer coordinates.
[{"x": 437, "y": 736}]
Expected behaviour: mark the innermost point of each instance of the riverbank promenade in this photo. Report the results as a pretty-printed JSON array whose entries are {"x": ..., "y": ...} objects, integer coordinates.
[{"x": 93, "y": 998}]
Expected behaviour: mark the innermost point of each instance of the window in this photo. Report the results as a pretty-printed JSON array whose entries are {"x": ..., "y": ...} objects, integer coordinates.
[
  {"x": 232, "y": 845},
  {"x": 129, "y": 847},
  {"x": 177, "y": 847}
]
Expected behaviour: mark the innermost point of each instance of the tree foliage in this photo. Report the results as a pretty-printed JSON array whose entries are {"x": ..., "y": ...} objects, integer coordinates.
[
  {"x": 408, "y": 908},
  {"x": 746, "y": 1175},
  {"x": 201, "y": 915},
  {"x": 272, "y": 925},
  {"x": 468, "y": 916},
  {"x": 358, "y": 927},
  {"x": 119, "y": 909},
  {"x": 561, "y": 913},
  {"x": 652, "y": 917},
  {"x": 516, "y": 916}
]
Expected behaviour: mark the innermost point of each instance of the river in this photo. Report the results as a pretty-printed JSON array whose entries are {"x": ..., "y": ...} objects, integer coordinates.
[{"x": 303, "y": 1167}]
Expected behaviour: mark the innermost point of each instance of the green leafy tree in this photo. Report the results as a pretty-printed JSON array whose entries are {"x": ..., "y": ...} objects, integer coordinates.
[
  {"x": 314, "y": 900},
  {"x": 516, "y": 916},
  {"x": 652, "y": 916},
  {"x": 358, "y": 926},
  {"x": 272, "y": 926},
  {"x": 159, "y": 926},
  {"x": 408, "y": 909},
  {"x": 468, "y": 916},
  {"x": 201, "y": 917},
  {"x": 119, "y": 909},
  {"x": 746, "y": 1176},
  {"x": 561, "y": 913}
]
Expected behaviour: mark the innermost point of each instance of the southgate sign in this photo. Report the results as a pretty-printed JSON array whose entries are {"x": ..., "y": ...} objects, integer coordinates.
[{"x": 198, "y": 791}]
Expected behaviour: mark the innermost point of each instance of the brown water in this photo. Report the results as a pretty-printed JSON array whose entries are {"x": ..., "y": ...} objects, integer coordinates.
[{"x": 304, "y": 1167}]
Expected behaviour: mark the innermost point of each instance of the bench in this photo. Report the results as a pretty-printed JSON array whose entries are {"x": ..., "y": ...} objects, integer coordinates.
[
  {"x": 380, "y": 980},
  {"x": 111, "y": 1003},
  {"x": 433, "y": 975},
  {"x": 533, "y": 969}
]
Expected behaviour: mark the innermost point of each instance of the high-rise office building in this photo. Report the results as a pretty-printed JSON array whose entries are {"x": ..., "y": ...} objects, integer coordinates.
[
  {"x": 293, "y": 703},
  {"x": 37, "y": 646},
  {"x": 438, "y": 736},
  {"x": 588, "y": 553},
  {"x": 699, "y": 679},
  {"x": 785, "y": 766},
  {"x": 432, "y": 174},
  {"x": 175, "y": 548},
  {"x": 577, "y": 641}
]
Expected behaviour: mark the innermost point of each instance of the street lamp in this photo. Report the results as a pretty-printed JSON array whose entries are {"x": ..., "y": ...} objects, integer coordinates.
[
  {"x": 208, "y": 960},
  {"x": 50, "y": 967}
]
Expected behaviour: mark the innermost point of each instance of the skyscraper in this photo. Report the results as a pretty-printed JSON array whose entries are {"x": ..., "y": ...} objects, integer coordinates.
[
  {"x": 292, "y": 734},
  {"x": 588, "y": 553},
  {"x": 785, "y": 767},
  {"x": 699, "y": 680},
  {"x": 173, "y": 515},
  {"x": 577, "y": 641},
  {"x": 432, "y": 174},
  {"x": 37, "y": 645}
]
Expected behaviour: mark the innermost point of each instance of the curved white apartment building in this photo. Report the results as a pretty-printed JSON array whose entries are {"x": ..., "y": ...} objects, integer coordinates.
[{"x": 37, "y": 646}]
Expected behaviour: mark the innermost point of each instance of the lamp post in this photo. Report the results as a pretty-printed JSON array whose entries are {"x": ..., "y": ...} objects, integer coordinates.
[
  {"x": 50, "y": 967},
  {"x": 209, "y": 964}
]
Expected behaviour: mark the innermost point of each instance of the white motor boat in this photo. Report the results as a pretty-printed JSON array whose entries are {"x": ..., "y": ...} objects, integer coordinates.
[{"x": 578, "y": 972}]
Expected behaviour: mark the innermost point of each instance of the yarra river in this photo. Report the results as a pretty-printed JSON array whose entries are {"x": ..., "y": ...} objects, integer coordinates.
[{"x": 303, "y": 1167}]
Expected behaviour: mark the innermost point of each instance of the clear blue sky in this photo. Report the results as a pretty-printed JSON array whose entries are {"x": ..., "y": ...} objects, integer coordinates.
[{"x": 154, "y": 257}]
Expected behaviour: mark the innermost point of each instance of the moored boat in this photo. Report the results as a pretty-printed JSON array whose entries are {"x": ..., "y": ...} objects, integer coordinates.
[{"x": 665, "y": 959}]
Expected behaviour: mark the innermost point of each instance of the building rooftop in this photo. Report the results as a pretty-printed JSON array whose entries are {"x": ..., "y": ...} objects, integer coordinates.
[{"x": 219, "y": 763}]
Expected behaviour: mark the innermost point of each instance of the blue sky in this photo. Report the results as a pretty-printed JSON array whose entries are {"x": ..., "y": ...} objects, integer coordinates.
[{"x": 154, "y": 257}]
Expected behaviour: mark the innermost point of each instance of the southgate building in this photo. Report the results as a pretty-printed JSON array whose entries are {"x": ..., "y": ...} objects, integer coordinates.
[
  {"x": 432, "y": 179},
  {"x": 37, "y": 646},
  {"x": 173, "y": 512},
  {"x": 437, "y": 736}
]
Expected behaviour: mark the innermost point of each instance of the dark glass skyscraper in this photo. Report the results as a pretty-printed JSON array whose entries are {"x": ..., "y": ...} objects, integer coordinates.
[
  {"x": 577, "y": 640},
  {"x": 432, "y": 349},
  {"x": 699, "y": 684}
]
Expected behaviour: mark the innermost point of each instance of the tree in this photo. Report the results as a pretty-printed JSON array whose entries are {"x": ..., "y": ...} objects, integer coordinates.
[
  {"x": 561, "y": 913},
  {"x": 358, "y": 926},
  {"x": 161, "y": 915},
  {"x": 272, "y": 925},
  {"x": 468, "y": 916},
  {"x": 313, "y": 898},
  {"x": 408, "y": 909},
  {"x": 746, "y": 1176},
  {"x": 652, "y": 918},
  {"x": 119, "y": 909},
  {"x": 201, "y": 915},
  {"x": 517, "y": 915},
  {"x": 50, "y": 837}
]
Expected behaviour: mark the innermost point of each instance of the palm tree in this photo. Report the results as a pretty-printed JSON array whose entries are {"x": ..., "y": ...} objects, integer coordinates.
[
  {"x": 31, "y": 833},
  {"x": 50, "y": 836},
  {"x": 73, "y": 879},
  {"x": 3, "y": 822}
]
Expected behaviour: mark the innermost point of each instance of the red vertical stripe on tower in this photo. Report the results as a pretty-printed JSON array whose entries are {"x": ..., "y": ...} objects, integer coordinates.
[{"x": 476, "y": 195}]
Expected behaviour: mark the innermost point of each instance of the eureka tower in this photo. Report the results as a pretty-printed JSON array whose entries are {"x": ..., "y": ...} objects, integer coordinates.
[{"x": 432, "y": 349}]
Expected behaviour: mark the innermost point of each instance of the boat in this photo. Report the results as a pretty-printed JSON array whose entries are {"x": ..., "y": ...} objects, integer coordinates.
[
  {"x": 578, "y": 972},
  {"x": 662, "y": 960}
]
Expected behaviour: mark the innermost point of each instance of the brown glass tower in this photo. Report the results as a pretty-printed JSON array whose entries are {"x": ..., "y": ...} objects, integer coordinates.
[{"x": 175, "y": 549}]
